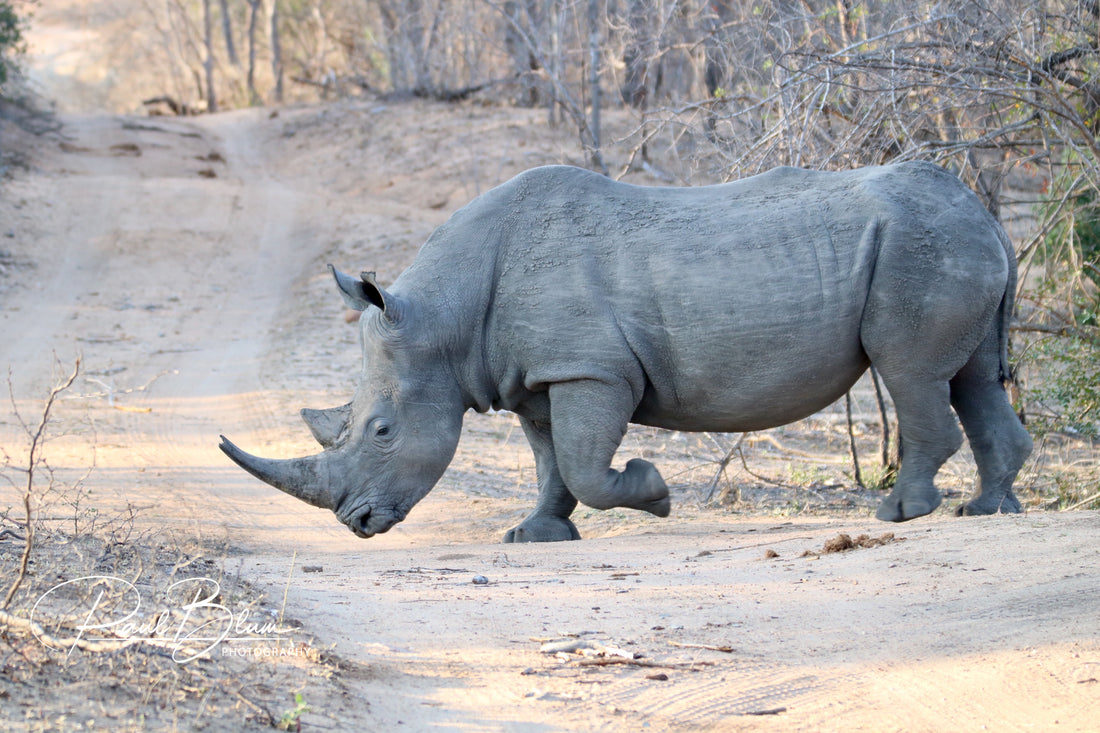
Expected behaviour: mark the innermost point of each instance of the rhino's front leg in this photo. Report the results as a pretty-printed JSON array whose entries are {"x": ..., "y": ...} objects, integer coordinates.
[
  {"x": 550, "y": 520},
  {"x": 589, "y": 420}
]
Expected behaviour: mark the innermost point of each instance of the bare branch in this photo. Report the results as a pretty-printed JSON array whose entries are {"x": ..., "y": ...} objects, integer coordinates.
[{"x": 38, "y": 437}]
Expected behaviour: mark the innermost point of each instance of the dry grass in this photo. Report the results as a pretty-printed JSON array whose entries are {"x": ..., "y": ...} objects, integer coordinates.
[{"x": 105, "y": 627}]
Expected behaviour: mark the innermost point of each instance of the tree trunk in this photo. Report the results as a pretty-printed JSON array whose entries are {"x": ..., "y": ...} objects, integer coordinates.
[
  {"x": 554, "y": 22},
  {"x": 594, "y": 74},
  {"x": 208, "y": 62},
  {"x": 276, "y": 53},
  {"x": 523, "y": 16},
  {"x": 716, "y": 48},
  {"x": 322, "y": 39},
  {"x": 390, "y": 26},
  {"x": 637, "y": 55},
  {"x": 253, "y": 15},
  {"x": 227, "y": 31}
]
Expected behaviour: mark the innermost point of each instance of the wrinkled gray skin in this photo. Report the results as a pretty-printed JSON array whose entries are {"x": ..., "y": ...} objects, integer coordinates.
[{"x": 583, "y": 305}]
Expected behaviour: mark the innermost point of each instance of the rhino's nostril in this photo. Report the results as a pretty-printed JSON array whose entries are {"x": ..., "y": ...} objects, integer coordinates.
[{"x": 364, "y": 522}]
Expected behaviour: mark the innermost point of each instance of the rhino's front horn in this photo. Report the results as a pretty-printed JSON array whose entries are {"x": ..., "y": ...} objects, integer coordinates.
[{"x": 303, "y": 478}]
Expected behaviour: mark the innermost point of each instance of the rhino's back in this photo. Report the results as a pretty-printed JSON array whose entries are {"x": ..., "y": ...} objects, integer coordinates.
[{"x": 728, "y": 307}]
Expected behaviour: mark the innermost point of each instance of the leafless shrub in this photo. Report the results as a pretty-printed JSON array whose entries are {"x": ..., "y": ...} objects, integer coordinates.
[{"x": 30, "y": 469}]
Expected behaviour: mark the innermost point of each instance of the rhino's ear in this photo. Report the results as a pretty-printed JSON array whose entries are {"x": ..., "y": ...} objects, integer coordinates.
[
  {"x": 352, "y": 290},
  {"x": 366, "y": 291},
  {"x": 393, "y": 307}
]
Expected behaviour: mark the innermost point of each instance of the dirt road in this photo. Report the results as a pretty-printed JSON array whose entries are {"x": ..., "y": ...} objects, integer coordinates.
[{"x": 185, "y": 261}]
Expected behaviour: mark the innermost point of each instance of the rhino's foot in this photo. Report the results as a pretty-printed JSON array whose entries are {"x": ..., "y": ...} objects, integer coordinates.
[
  {"x": 980, "y": 505},
  {"x": 543, "y": 528},
  {"x": 659, "y": 508},
  {"x": 651, "y": 492},
  {"x": 901, "y": 507}
]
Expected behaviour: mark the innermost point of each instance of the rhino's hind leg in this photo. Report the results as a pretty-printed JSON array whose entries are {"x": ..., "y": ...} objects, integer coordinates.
[
  {"x": 550, "y": 520},
  {"x": 925, "y": 317},
  {"x": 999, "y": 442},
  {"x": 589, "y": 419},
  {"x": 929, "y": 436}
]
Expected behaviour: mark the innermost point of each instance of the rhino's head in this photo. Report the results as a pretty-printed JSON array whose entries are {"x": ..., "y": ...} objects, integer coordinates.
[{"x": 386, "y": 449}]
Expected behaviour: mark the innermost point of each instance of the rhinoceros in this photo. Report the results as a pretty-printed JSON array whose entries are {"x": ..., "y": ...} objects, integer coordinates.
[{"x": 583, "y": 304}]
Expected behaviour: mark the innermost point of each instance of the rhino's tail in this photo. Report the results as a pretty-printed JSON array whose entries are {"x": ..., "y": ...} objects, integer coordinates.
[{"x": 1008, "y": 306}]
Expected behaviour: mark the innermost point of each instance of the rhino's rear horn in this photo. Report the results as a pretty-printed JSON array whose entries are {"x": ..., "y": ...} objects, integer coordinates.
[
  {"x": 327, "y": 425},
  {"x": 303, "y": 478}
]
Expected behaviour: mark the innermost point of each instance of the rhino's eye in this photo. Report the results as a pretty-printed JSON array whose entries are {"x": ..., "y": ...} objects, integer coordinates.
[{"x": 381, "y": 430}]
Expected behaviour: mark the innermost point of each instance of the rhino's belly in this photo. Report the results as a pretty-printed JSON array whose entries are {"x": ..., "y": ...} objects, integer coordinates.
[{"x": 754, "y": 389}]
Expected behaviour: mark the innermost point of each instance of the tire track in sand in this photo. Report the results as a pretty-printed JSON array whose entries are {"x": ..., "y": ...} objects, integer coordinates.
[{"x": 171, "y": 250}]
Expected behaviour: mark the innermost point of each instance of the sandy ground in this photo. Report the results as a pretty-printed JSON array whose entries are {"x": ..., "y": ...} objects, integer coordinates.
[{"x": 184, "y": 261}]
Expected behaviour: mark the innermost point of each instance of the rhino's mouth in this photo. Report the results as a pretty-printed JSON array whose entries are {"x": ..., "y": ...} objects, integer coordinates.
[{"x": 366, "y": 521}]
